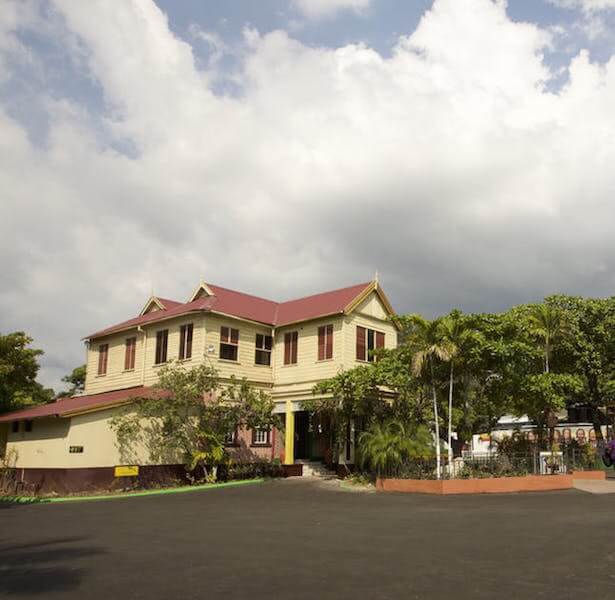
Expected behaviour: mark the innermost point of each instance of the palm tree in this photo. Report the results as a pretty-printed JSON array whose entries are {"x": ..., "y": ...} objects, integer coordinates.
[
  {"x": 455, "y": 332},
  {"x": 430, "y": 346},
  {"x": 384, "y": 446},
  {"x": 547, "y": 322}
]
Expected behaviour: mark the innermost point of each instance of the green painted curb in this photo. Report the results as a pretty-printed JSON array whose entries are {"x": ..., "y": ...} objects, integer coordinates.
[{"x": 177, "y": 490}]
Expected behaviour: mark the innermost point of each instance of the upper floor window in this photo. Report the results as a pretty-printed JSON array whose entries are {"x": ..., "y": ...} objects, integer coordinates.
[
  {"x": 367, "y": 341},
  {"x": 28, "y": 425},
  {"x": 325, "y": 342},
  {"x": 185, "y": 342},
  {"x": 229, "y": 343},
  {"x": 103, "y": 355},
  {"x": 264, "y": 343},
  {"x": 260, "y": 437},
  {"x": 129, "y": 356},
  {"x": 290, "y": 347},
  {"x": 162, "y": 340}
]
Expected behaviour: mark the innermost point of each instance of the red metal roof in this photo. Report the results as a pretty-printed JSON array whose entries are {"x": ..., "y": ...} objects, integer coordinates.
[
  {"x": 246, "y": 306},
  {"x": 318, "y": 305},
  {"x": 168, "y": 303},
  {"x": 78, "y": 404}
]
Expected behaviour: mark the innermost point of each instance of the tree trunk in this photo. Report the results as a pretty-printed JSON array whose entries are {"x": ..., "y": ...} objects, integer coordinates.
[
  {"x": 437, "y": 424},
  {"x": 450, "y": 421}
]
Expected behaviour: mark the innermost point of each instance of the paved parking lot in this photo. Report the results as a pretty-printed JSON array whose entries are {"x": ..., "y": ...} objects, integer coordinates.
[{"x": 296, "y": 539}]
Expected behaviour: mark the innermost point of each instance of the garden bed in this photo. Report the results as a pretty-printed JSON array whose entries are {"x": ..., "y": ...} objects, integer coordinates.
[{"x": 487, "y": 485}]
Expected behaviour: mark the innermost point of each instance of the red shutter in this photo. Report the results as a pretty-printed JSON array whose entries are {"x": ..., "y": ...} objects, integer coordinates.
[
  {"x": 287, "y": 341},
  {"x": 102, "y": 358},
  {"x": 165, "y": 339},
  {"x": 293, "y": 356},
  {"x": 379, "y": 339},
  {"x": 189, "y": 342},
  {"x": 360, "y": 343},
  {"x": 329, "y": 346},
  {"x": 322, "y": 332},
  {"x": 129, "y": 358},
  {"x": 182, "y": 342}
]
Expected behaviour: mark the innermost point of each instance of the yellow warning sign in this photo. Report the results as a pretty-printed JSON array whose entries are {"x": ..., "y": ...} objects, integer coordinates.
[{"x": 127, "y": 471}]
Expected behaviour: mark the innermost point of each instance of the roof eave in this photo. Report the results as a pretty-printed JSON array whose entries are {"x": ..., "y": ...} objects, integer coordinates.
[{"x": 105, "y": 333}]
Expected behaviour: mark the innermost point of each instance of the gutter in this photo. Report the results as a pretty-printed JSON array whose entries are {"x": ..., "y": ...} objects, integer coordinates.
[{"x": 144, "y": 346}]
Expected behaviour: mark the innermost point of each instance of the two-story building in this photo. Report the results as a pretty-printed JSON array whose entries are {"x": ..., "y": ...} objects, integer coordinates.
[{"x": 283, "y": 347}]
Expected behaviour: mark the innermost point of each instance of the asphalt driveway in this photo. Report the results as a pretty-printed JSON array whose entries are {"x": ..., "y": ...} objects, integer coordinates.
[{"x": 296, "y": 539}]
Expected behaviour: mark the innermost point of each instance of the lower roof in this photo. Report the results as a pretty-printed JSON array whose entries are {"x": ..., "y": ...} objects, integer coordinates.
[{"x": 78, "y": 404}]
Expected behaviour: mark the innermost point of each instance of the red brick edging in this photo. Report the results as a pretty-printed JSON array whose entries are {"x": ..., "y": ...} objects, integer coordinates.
[{"x": 491, "y": 485}]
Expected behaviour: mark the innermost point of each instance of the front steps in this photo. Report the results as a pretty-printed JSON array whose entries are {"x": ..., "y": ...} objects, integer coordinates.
[{"x": 312, "y": 468}]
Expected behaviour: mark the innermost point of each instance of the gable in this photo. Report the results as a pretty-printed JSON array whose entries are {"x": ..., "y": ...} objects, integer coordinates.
[
  {"x": 373, "y": 307},
  {"x": 202, "y": 291},
  {"x": 152, "y": 305}
]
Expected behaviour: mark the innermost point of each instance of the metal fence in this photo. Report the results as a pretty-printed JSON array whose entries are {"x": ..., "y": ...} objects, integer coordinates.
[{"x": 473, "y": 465}]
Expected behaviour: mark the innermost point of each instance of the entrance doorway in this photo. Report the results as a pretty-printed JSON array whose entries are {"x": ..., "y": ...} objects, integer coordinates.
[{"x": 311, "y": 438}]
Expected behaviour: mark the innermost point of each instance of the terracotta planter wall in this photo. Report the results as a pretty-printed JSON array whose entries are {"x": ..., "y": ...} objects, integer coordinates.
[
  {"x": 599, "y": 475},
  {"x": 492, "y": 485}
]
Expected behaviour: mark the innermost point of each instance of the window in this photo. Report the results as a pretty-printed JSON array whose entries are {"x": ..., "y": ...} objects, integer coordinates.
[
  {"x": 103, "y": 354},
  {"x": 27, "y": 425},
  {"x": 162, "y": 338},
  {"x": 290, "y": 347},
  {"x": 325, "y": 342},
  {"x": 185, "y": 342},
  {"x": 229, "y": 343},
  {"x": 264, "y": 344},
  {"x": 15, "y": 426},
  {"x": 260, "y": 437},
  {"x": 368, "y": 340},
  {"x": 129, "y": 356}
]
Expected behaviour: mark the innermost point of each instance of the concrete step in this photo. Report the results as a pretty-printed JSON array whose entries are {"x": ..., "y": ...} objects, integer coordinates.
[{"x": 312, "y": 468}]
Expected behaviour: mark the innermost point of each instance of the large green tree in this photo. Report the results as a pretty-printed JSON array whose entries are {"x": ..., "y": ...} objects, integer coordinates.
[
  {"x": 588, "y": 351},
  {"x": 18, "y": 370}
]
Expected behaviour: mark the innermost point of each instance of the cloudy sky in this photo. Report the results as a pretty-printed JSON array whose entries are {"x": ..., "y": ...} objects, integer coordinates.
[{"x": 464, "y": 149}]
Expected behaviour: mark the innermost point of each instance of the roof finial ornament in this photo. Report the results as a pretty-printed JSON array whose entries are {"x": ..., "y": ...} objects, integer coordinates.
[{"x": 376, "y": 281}]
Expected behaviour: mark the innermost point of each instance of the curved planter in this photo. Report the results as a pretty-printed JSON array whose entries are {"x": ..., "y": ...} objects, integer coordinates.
[{"x": 491, "y": 485}]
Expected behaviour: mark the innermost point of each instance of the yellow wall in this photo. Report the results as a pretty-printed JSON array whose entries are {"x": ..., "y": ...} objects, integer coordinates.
[
  {"x": 206, "y": 332},
  {"x": 47, "y": 445},
  {"x": 245, "y": 365}
]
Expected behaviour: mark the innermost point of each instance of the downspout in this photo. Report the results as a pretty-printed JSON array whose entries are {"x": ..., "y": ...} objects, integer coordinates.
[
  {"x": 87, "y": 357},
  {"x": 141, "y": 330},
  {"x": 273, "y": 429}
]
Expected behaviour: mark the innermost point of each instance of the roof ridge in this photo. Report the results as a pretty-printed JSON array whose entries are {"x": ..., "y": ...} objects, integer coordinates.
[
  {"x": 347, "y": 287},
  {"x": 243, "y": 293}
]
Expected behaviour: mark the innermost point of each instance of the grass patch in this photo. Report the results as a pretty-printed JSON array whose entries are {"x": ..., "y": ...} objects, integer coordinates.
[{"x": 114, "y": 496}]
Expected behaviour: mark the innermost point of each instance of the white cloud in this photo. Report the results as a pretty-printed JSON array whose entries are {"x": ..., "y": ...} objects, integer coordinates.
[
  {"x": 586, "y": 5},
  {"x": 449, "y": 167},
  {"x": 326, "y": 9}
]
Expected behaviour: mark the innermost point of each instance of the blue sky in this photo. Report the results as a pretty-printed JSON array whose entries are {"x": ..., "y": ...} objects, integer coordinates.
[{"x": 461, "y": 148}]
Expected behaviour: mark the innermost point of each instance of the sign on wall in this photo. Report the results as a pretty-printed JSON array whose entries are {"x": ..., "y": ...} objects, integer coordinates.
[{"x": 126, "y": 471}]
